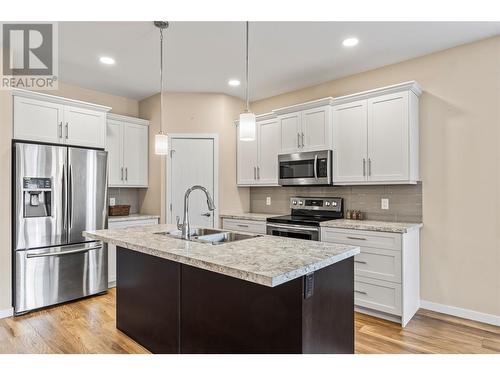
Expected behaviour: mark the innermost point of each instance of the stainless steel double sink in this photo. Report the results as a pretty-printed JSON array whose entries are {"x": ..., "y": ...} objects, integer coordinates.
[{"x": 210, "y": 236}]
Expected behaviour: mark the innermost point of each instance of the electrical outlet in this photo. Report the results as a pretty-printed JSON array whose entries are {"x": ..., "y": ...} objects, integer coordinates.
[
  {"x": 268, "y": 201},
  {"x": 112, "y": 201},
  {"x": 384, "y": 203}
]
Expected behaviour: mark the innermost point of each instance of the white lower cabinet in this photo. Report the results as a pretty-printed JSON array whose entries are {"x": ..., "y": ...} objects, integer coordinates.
[
  {"x": 386, "y": 272},
  {"x": 112, "y": 248},
  {"x": 243, "y": 225}
]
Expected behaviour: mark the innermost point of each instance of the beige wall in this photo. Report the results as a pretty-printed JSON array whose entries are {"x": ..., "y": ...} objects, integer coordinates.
[
  {"x": 194, "y": 113},
  {"x": 459, "y": 164},
  {"x": 120, "y": 105}
]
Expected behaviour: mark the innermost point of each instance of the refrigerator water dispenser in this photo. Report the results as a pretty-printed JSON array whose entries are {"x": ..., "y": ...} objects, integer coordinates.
[{"x": 37, "y": 197}]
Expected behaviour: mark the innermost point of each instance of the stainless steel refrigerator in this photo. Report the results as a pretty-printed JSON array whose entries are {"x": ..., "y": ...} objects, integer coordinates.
[{"x": 58, "y": 192}]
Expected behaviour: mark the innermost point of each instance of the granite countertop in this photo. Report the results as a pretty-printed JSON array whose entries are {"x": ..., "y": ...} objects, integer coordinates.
[
  {"x": 247, "y": 216},
  {"x": 264, "y": 260},
  {"x": 372, "y": 225},
  {"x": 132, "y": 217}
]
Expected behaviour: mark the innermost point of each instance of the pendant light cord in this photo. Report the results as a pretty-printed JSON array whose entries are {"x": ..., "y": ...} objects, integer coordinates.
[
  {"x": 161, "y": 81},
  {"x": 246, "y": 71}
]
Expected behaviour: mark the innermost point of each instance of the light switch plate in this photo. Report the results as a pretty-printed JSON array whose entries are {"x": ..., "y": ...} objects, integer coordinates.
[
  {"x": 112, "y": 201},
  {"x": 384, "y": 203},
  {"x": 268, "y": 201}
]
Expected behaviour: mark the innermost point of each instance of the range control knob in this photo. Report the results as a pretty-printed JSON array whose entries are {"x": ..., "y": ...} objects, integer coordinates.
[
  {"x": 327, "y": 203},
  {"x": 334, "y": 204},
  {"x": 294, "y": 203},
  {"x": 301, "y": 203}
]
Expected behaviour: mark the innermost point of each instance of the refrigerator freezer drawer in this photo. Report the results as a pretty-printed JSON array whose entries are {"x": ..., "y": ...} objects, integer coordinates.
[{"x": 53, "y": 275}]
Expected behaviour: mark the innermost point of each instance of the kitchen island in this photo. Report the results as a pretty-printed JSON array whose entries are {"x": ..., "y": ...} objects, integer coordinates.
[{"x": 259, "y": 295}]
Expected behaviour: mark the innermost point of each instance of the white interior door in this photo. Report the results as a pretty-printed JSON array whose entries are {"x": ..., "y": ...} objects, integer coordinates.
[{"x": 192, "y": 162}]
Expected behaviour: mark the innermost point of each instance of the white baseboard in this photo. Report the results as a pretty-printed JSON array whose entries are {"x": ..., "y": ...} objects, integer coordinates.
[
  {"x": 6, "y": 313},
  {"x": 461, "y": 313}
]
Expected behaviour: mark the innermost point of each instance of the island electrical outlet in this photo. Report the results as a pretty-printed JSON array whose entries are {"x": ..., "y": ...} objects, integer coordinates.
[{"x": 384, "y": 203}]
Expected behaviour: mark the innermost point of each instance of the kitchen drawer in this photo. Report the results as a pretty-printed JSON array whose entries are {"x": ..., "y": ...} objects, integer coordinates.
[
  {"x": 131, "y": 223},
  {"x": 378, "y": 295},
  {"x": 381, "y": 240},
  {"x": 251, "y": 226},
  {"x": 379, "y": 264}
]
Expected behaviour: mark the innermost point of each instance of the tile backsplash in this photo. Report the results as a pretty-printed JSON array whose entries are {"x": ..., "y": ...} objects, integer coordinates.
[
  {"x": 405, "y": 201},
  {"x": 125, "y": 196}
]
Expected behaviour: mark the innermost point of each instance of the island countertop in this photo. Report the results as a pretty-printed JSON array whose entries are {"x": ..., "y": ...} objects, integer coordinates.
[{"x": 264, "y": 260}]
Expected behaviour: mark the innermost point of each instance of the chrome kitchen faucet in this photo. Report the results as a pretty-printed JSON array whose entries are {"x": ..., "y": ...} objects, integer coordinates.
[{"x": 185, "y": 227}]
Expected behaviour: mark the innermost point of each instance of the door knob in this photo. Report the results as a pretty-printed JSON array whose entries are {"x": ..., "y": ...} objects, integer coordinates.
[{"x": 207, "y": 214}]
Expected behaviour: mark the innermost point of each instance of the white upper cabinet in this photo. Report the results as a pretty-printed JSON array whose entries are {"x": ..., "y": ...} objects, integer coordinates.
[
  {"x": 127, "y": 143},
  {"x": 84, "y": 127},
  {"x": 375, "y": 136},
  {"x": 349, "y": 142},
  {"x": 269, "y": 145},
  {"x": 316, "y": 125},
  {"x": 37, "y": 120},
  {"x": 388, "y": 141},
  {"x": 305, "y": 127},
  {"x": 291, "y": 137},
  {"x": 114, "y": 146},
  {"x": 52, "y": 119},
  {"x": 257, "y": 161}
]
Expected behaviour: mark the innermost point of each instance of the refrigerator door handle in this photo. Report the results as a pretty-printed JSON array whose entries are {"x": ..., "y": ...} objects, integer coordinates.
[
  {"x": 70, "y": 198},
  {"x": 64, "y": 199},
  {"x": 82, "y": 250}
]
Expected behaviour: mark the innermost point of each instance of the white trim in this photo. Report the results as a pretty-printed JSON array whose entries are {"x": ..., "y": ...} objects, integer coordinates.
[
  {"x": 59, "y": 100},
  {"x": 461, "y": 313},
  {"x": 133, "y": 120},
  {"x": 7, "y": 313},
  {"x": 404, "y": 86},
  {"x": 303, "y": 106},
  {"x": 168, "y": 178}
]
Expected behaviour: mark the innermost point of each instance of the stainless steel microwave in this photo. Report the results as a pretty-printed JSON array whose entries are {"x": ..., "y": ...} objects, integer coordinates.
[{"x": 305, "y": 168}]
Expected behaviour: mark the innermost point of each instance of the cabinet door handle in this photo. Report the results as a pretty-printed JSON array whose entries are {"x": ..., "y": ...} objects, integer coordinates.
[
  {"x": 126, "y": 173},
  {"x": 298, "y": 140},
  {"x": 60, "y": 130},
  {"x": 356, "y": 238},
  {"x": 369, "y": 167},
  {"x": 302, "y": 136},
  {"x": 121, "y": 174},
  {"x": 360, "y": 292},
  {"x": 254, "y": 173},
  {"x": 364, "y": 167},
  {"x": 67, "y": 130},
  {"x": 242, "y": 225},
  {"x": 258, "y": 173},
  {"x": 360, "y": 261}
]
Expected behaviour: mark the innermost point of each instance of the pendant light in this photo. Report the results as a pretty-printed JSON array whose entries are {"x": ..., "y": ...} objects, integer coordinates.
[
  {"x": 247, "y": 118},
  {"x": 161, "y": 139}
]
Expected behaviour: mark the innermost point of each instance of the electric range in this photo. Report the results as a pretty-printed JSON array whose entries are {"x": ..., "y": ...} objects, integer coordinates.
[{"x": 305, "y": 217}]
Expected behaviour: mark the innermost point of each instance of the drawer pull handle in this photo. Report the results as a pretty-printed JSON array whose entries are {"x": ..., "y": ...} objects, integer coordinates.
[
  {"x": 242, "y": 225},
  {"x": 356, "y": 238},
  {"x": 360, "y": 292},
  {"x": 360, "y": 261}
]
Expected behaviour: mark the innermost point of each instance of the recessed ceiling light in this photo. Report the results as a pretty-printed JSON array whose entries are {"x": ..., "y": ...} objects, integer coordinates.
[
  {"x": 233, "y": 82},
  {"x": 350, "y": 42},
  {"x": 107, "y": 60}
]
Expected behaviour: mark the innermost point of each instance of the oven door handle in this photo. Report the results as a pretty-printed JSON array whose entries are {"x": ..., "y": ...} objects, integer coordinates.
[
  {"x": 316, "y": 166},
  {"x": 293, "y": 227}
]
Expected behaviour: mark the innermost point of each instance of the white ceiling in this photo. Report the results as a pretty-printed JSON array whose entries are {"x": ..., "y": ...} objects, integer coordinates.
[{"x": 284, "y": 56}]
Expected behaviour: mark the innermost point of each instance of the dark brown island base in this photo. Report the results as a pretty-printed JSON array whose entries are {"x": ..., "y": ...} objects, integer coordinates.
[{"x": 171, "y": 306}]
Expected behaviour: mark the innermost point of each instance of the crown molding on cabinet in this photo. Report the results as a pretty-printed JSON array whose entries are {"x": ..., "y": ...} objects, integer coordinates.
[
  {"x": 404, "y": 86},
  {"x": 129, "y": 119},
  {"x": 303, "y": 106},
  {"x": 59, "y": 100}
]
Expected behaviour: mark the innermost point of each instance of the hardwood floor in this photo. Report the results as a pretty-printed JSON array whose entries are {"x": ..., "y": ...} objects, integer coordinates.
[{"x": 88, "y": 326}]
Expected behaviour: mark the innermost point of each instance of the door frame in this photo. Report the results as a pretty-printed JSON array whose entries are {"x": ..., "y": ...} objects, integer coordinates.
[{"x": 168, "y": 171}]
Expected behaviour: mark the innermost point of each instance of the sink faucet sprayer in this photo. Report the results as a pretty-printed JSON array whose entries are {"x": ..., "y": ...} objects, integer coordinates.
[{"x": 186, "y": 230}]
